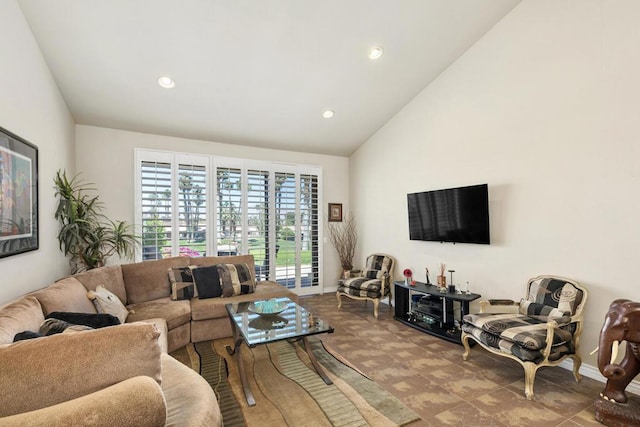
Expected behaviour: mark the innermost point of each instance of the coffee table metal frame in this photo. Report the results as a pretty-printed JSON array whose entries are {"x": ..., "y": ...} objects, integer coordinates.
[{"x": 294, "y": 324}]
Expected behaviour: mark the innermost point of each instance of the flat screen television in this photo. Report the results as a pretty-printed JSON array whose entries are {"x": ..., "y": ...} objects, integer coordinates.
[{"x": 459, "y": 215}]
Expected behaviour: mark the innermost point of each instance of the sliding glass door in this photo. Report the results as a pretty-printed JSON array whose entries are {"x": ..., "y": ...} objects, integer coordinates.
[{"x": 274, "y": 210}]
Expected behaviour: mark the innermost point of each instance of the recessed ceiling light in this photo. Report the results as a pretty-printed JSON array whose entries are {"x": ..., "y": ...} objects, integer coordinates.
[
  {"x": 328, "y": 114},
  {"x": 375, "y": 52},
  {"x": 166, "y": 82}
]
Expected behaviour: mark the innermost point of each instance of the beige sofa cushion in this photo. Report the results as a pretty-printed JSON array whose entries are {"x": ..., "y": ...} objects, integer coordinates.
[
  {"x": 134, "y": 402},
  {"x": 147, "y": 281},
  {"x": 213, "y": 308},
  {"x": 110, "y": 277},
  {"x": 176, "y": 313},
  {"x": 66, "y": 295},
  {"x": 46, "y": 371},
  {"x": 24, "y": 314}
]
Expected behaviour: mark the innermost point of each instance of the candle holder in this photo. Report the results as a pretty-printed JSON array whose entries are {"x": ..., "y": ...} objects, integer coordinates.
[{"x": 452, "y": 287}]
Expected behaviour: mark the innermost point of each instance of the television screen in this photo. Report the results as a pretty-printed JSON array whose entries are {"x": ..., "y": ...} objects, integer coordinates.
[{"x": 459, "y": 215}]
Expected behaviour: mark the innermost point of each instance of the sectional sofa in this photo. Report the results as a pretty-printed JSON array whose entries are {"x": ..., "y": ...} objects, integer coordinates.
[{"x": 119, "y": 375}]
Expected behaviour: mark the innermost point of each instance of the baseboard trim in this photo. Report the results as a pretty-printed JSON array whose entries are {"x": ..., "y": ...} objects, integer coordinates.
[
  {"x": 594, "y": 373},
  {"x": 586, "y": 370}
]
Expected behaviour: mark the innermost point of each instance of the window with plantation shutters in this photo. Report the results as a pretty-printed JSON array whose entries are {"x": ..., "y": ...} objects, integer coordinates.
[
  {"x": 156, "y": 210},
  {"x": 258, "y": 220},
  {"x": 229, "y": 211},
  {"x": 192, "y": 209},
  {"x": 204, "y": 205},
  {"x": 309, "y": 223}
]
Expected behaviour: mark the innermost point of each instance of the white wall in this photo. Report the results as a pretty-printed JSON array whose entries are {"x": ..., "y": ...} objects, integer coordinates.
[
  {"x": 105, "y": 157},
  {"x": 545, "y": 110},
  {"x": 31, "y": 106}
]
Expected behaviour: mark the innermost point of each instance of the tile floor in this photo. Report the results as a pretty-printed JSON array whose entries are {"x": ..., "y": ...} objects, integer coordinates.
[{"x": 429, "y": 375}]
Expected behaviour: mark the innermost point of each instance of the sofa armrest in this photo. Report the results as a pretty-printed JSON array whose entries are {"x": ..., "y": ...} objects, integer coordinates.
[
  {"x": 138, "y": 401},
  {"x": 46, "y": 371},
  {"x": 484, "y": 305},
  {"x": 161, "y": 326}
]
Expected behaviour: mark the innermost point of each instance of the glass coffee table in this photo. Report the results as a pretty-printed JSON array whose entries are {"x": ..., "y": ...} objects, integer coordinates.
[{"x": 267, "y": 321}]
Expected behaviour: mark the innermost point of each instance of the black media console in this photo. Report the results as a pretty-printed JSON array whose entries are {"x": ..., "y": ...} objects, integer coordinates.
[{"x": 425, "y": 308}]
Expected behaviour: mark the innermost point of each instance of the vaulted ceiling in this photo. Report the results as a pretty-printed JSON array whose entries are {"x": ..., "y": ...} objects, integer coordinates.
[{"x": 253, "y": 72}]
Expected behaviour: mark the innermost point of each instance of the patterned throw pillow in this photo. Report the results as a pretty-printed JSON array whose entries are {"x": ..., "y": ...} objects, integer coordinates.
[
  {"x": 207, "y": 282},
  {"x": 543, "y": 312},
  {"x": 555, "y": 292},
  {"x": 380, "y": 263},
  {"x": 372, "y": 274},
  {"x": 235, "y": 279},
  {"x": 182, "y": 286},
  {"x": 107, "y": 302},
  {"x": 53, "y": 326}
]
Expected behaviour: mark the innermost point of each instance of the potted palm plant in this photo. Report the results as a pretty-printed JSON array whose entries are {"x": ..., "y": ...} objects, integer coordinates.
[
  {"x": 344, "y": 236},
  {"x": 87, "y": 237}
]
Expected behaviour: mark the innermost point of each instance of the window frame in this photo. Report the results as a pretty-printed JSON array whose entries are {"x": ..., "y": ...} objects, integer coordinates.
[{"x": 212, "y": 163}]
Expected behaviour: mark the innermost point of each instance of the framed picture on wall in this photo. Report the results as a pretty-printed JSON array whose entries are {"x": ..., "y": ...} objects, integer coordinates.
[
  {"x": 18, "y": 195},
  {"x": 335, "y": 212}
]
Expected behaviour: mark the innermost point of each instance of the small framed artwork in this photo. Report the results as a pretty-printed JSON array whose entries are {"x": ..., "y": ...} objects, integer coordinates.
[
  {"x": 18, "y": 195},
  {"x": 335, "y": 212}
]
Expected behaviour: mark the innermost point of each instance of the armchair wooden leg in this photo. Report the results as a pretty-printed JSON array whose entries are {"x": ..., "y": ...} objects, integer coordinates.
[
  {"x": 529, "y": 378},
  {"x": 339, "y": 300},
  {"x": 376, "y": 302},
  {"x": 467, "y": 348},
  {"x": 577, "y": 362}
]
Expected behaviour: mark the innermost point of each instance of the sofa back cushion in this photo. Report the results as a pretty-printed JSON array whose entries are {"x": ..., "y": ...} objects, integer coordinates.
[
  {"x": 110, "y": 277},
  {"x": 65, "y": 295},
  {"x": 46, "y": 371},
  {"x": 148, "y": 280},
  {"x": 24, "y": 314},
  {"x": 232, "y": 259}
]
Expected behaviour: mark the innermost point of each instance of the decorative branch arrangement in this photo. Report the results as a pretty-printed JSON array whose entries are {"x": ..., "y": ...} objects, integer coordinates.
[
  {"x": 344, "y": 236},
  {"x": 442, "y": 279}
]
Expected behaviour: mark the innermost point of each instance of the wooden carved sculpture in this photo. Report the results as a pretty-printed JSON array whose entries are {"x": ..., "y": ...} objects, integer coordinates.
[{"x": 622, "y": 323}]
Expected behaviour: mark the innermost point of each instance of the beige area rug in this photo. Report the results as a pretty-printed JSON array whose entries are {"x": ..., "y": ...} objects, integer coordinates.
[{"x": 287, "y": 389}]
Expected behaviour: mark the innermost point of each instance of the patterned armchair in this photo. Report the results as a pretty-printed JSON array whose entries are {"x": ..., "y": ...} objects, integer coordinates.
[
  {"x": 373, "y": 284},
  {"x": 543, "y": 332}
]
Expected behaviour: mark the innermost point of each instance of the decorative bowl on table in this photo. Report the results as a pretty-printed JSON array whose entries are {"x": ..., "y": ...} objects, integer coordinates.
[{"x": 267, "y": 308}]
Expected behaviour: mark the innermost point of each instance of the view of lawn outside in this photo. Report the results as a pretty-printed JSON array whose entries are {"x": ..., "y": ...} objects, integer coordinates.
[{"x": 242, "y": 215}]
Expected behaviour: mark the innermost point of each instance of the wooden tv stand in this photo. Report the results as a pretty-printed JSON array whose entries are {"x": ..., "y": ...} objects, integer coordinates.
[{"x": 425, "y": 308}]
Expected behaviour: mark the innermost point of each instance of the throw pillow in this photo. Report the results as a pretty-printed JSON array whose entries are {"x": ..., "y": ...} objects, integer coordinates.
[
  {"x": 107, "y": 302},
  {"x": 182, "y": 286},
  {"x": 94, "y": 321},
  {"x": 207, "y": 282},
  {"x": 53, "y": 326},
  {"x": 26, "y": 335},
  {"x": 543, "y": 312},
  {"x": 372, "y": 274},
  {"x": 235, "y": 279}
]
